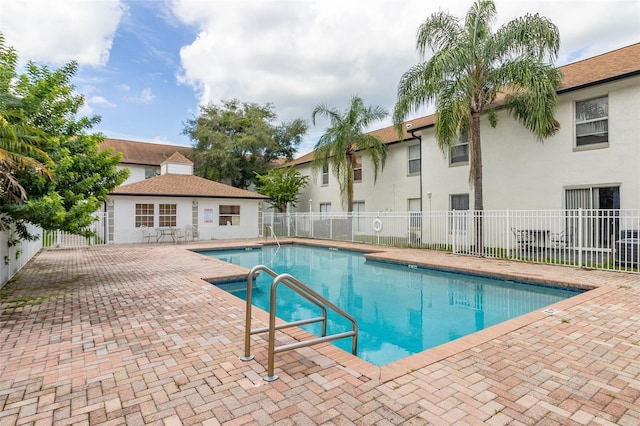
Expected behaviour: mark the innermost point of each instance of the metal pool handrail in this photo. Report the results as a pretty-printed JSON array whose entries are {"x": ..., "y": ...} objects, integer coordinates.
[
  {"x": 273, "y": 234},
  {"x": 304, "y": 291}
]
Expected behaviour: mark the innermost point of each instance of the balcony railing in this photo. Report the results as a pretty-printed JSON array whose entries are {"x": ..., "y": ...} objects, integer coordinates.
[{"x": 602, "y": 239}]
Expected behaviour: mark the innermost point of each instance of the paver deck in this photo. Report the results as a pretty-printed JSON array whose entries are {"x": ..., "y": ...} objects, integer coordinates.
[{"x": 131, "y": 334}]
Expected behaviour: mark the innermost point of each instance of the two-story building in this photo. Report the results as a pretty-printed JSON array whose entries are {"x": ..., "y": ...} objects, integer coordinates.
[{"x": 592, "y": 161}]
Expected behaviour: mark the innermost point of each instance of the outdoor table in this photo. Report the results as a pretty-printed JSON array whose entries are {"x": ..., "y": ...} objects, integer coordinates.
[{"x": 164, "y": 232}]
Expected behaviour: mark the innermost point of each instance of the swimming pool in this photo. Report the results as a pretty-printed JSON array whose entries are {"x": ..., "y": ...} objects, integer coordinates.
[{"x": 400, "y": 310}]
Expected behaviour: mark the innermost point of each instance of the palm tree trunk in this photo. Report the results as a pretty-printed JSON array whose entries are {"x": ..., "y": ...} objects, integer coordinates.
[{"x": 476, "y": 181}]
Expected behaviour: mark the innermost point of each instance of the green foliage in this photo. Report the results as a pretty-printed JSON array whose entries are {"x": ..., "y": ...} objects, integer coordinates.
[
  {"x": 472, "y": 69},
  {"x": 81, "y": 176},
  {"x": 235, "y": 141},
  {"x": 281, "y": 185},
  {"x": 345, "y": 136},
  {"x": 18, "y": 140}
]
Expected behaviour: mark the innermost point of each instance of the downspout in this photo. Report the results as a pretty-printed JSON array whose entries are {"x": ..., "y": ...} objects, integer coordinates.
[{"x": 419, "y": 137}]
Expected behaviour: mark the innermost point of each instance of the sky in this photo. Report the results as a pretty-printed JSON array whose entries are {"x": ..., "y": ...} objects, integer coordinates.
[{"x": 146, "y": 66}]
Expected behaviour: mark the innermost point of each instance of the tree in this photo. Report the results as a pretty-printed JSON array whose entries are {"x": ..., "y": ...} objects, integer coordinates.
[
  {"x": 345, "y": 136},
  {"x": 472, "y": 70},
  {"x": 281, "y": 185},
  {"x": 234, "y": 141},
  {"x": 82, "y": 175},
  {"x": 18, "y": 146}
]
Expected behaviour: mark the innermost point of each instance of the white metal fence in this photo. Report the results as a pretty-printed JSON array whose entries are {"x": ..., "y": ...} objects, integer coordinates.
[
  {"x": 605, "y": 239},
  {"x": 97, "y": 234}
]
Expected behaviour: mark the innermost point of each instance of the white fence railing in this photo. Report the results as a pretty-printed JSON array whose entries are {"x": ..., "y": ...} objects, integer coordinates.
[
  {"x": 604, "y": 239},
  {"x": 15, "y": 253},
  {"x": 60, "y": 239}
]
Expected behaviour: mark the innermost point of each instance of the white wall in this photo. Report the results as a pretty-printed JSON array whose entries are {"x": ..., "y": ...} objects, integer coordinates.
[
  {"x": 13, "y": 258},
  {"x": 126, "y": 232},
  {"x": 136, "y": 174},
  {"x": 519, "y": 172},
  {"x": 390, "y": 192}
]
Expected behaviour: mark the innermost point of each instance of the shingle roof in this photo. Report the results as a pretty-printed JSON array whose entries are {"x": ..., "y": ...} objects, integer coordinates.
[
  {"x": 176, "y": 157},
  {"x": 144, "y": 153},
  {"x": 620, "y": 63},
  {"x": 617, "y": 64},
  {"x": 174, "y": 185}
]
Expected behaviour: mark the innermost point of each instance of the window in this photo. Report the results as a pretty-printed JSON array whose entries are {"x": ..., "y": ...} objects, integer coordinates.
[
  {"x": 459, "y": 203},
  {"x": 144, "y": 215},
  {"x": 325, "y": 174},
  {"x": 166, "y": 215},
  {"x": 592, "y": 121},
  {"x": 229, "y": 215},
  {"x": 415, "y": 214},
  {"x": 460, "y": 151},
  {"x": 150, "y": 172},
  {"x": 325, "y": 209},
  {"x": 357, "y": 169},
  {"x": 414, "y": 159},
  {"x": 600, "y": 224},
  {"x": 358, "y": 219}
]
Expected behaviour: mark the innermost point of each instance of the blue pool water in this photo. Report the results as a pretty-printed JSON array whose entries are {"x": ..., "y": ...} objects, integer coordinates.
[{"x": 400, "y": 310}]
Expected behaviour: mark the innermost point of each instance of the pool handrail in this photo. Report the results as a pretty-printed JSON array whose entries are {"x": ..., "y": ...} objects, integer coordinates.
[
  {"x": 304, "y": 291},
  {"x": 273, "y": 234}
]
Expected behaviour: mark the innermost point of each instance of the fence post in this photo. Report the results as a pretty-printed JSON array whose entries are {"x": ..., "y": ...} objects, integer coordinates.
[
  {"x": 580, "y": 237},
  {"x": 454, "y": 232},
  {"x": 508, "y": 234},
  {"x": 330, "y": 226}
]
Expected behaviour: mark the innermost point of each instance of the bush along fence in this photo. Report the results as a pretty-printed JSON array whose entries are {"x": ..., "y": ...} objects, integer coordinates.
[{"x": 601, "y": 239}]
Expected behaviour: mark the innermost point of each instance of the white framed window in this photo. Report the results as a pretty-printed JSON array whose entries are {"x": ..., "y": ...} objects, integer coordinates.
[
  {"x": 151, "y": 171},
  {"x": 459, "y": 153},
  {"x": 358, "y": 219},
  {"x": 413, "y": 155},
  {"x": 325, "y": 174},
  {"x": 415, "y": 214},
  {"x": 592, "y": 122},
  {"x": 229, "y": 216},
  {"x": 325, "y": 209},
  {"x": 167, "y": 215},
  {"x": 145, "y": 215},
  {"x": 357, "y": 169},
  {"x": 459, "y": 203}
]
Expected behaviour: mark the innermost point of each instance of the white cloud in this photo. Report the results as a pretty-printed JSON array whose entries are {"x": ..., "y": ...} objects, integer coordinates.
[
  {"x": 299, "y": 54},
  {"x": 144, "y": 97},
  {"x": 63, "y": 30},
  {"x": 90, "y": 103},
  {"x": 99, "y": 100}
]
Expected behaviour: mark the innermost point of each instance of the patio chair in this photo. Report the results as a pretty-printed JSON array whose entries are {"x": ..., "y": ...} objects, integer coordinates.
[
  {"x": 524, "y": 239},
  {"x": 146, "y": 234},
  {"x": 561, "y": 239},
  {"x": 191, "y": 233},
  {"x": 179, "y": 234}
]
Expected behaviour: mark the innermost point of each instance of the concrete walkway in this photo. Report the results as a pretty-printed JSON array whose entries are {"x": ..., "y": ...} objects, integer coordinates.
[{"x": 130, "y": 334}]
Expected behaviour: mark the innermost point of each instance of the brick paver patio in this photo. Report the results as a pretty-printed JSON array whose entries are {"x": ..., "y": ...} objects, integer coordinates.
[{"x": 130, "y": 334}]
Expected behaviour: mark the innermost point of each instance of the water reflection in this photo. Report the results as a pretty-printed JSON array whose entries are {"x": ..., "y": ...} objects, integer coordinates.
[{"x": 400, "y": 311}]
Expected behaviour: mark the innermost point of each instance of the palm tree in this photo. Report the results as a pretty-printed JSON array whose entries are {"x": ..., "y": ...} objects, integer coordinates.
[
  {"x": 345, "y": 136},
  {"x": 473, "y": 70},
  {"x": 18, "y": 150}
]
